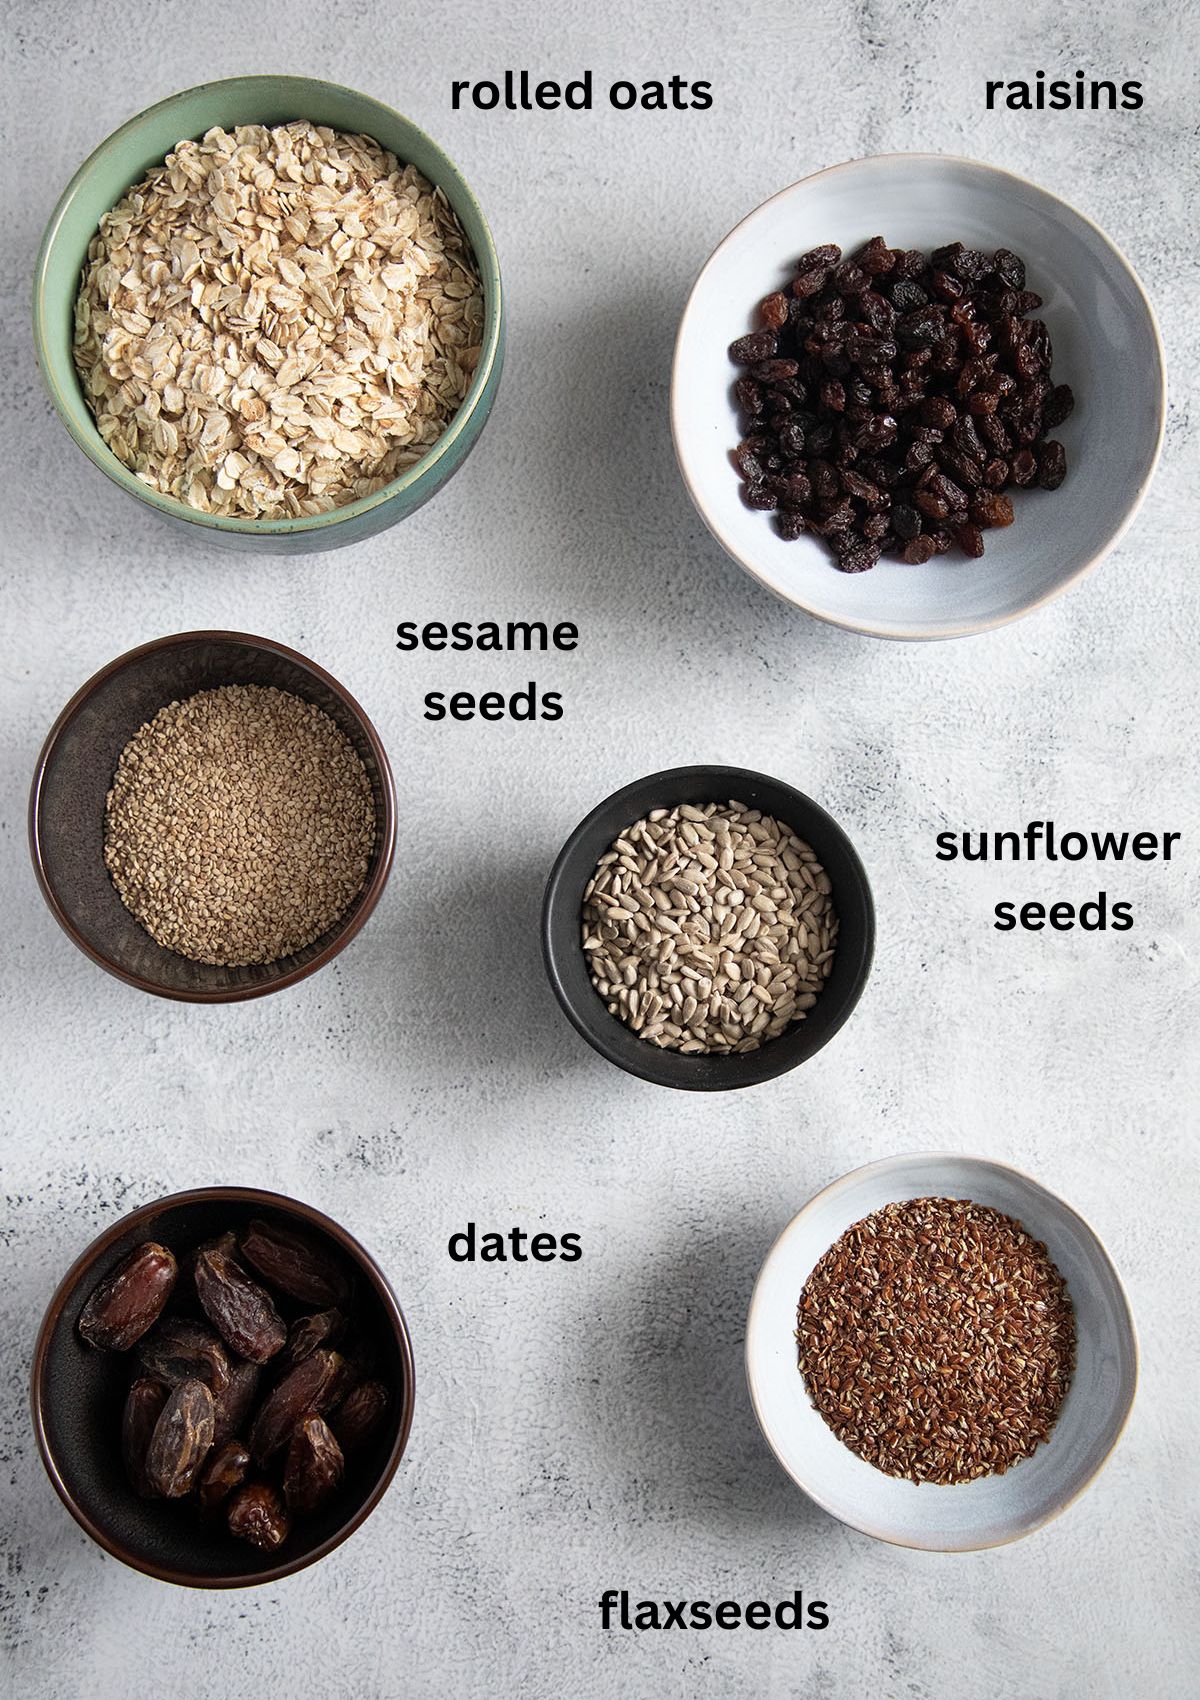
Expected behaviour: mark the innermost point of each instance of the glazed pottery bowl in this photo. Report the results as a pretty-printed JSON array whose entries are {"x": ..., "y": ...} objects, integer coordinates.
[
  {"x": 144, "y": 142},
  {"x": 75, "y": 770},
  {"x": 1106, "y": 346},
  {"x": 78, "y": 1394},
  {"x": 991, "y": 1510},
  {"x": 563, "y": 951}
]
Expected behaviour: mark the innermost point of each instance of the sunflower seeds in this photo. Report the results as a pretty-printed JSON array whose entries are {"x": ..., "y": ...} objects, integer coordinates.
[{"x": 709, "y": 928}]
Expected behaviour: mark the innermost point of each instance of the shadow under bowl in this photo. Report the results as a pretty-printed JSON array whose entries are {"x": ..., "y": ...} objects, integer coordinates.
[
  {"x": 75, "y": 771},
  {"x": 123, "y": 159},
  {"x": 78, "y": 1394},
  {"x": 566, "y": 966},
  {"x": 991, "y": 1510}
]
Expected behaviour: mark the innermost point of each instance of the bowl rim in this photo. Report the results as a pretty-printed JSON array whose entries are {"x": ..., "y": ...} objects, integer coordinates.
[
  {"x": 597, "y": 1034},
  {"x": 892, "y": 1164},
  {"x": 40, "y": 1395},
  {"x": 371, "y": 891},
  {"x": 102, "y": 456},
  {"x": 875, "y": 629}
]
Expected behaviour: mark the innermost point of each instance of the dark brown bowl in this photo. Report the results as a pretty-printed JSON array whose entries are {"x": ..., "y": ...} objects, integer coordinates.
[
  {"x": 75, "y": 770},
  {"x": 567, "y": 968},
  {"x": 77, "y": 1395}
]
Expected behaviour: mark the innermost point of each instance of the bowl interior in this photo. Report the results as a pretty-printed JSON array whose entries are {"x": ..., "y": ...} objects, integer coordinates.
[
  {"x": 993, "y": 1509},
  {"x": 79, "y": 763},
  {"x": 143, "y": 142},
  {"x": 81, "y": 1393},
  {"x": 1105, "y": 346},
  {"x": 564, "y": 903}
]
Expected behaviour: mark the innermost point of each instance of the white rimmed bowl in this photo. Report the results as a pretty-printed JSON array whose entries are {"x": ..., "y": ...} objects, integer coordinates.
[
  {"x": 1106, "y": 346},
  {"x": 994, "y": 1509}
]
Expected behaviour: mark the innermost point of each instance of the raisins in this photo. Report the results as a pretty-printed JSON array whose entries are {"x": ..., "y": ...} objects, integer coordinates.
[
  {"x": 256, "y": 1515},
  {"x": 748, "y": 350},
  {"x": 241, "y": 1312},
  {"x": 130, "y": 1301},
  {"x": 1052, "y": 465},
  {"x": 892, "y": 397}
]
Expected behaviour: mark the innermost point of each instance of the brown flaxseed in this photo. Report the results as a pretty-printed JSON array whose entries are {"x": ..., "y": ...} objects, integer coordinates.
[
  {"x": 239, "y": 826},
  {"x": 937, "y": 1340}
]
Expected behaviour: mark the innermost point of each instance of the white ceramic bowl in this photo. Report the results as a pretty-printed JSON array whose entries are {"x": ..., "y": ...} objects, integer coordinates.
[
  {"x": 1106, "y": 346},
  {"x": 994, "y": 1509}
]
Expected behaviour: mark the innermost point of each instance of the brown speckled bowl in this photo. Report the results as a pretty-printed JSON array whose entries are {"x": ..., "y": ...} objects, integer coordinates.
[
  {"x": 78, "y": 1393},
  {"x": 75, "y": 770}
]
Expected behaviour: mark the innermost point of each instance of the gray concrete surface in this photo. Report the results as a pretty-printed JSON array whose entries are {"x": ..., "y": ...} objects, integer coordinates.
[{"x": 585, "y": 1427}]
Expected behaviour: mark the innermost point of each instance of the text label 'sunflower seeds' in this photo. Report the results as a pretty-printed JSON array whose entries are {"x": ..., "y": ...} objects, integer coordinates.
[
  {"x": 239, "y": 826},
  {"x": 937, "y": 1340},
  {"x": 709, "y": 928}
]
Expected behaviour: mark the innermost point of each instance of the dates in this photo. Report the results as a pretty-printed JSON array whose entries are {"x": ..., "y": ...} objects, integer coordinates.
[
  {"x": 130, "y": 1301},
  {"x": 312, "y": 1386},
  {"x": 181, "y": 1440},
  {"x": 230, "y": 1408},
  {"x": 235, "y": 1401},
  {"x": 256, "y": 1515},
  {"x": 293, "y": 1264},
  {"x": 179, "y": 1350},
  {"x": 143, "y": 1407},
  {"x": 241, "y": 1312},
  {"x": 360, "y": 1415},
  {"x": 314, "y": 1467},
  {"x": 226, "y": 1470},
  {"x": 307, "y": 1333}
]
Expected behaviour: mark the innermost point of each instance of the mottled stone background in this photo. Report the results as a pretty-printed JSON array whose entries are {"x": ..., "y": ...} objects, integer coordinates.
[{"x": 585, "y": 1427}]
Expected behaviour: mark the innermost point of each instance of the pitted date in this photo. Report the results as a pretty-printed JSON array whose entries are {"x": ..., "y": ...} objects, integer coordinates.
[
  {"x": 226, "y": 1470},
  {"x": 314, "y": 1467},
  {"x": 311, "y": 1386},
  {"x": 360, "y": 1415},
  {"x": 308, "y": 1333},
  {"x": 242, "y": 1313},
  {"x": 293, "y": 1264},
  {"x": 256, "y": 1514},
  {"x": 180, "y": 1350},
  {"x": 235, "y": 1401},
  {"x": 130, "y": 1301},
  {"x": 143, "y": 1407},
  {"x": 181, "y": 1440}
]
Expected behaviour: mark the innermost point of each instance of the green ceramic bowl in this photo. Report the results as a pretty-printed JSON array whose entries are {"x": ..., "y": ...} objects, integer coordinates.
[{"x": 145, "y": 141}]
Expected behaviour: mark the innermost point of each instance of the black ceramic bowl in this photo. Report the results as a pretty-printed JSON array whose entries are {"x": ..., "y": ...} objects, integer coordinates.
[
  {"x": 563, "y": 904},
  {"x": 75, "y": 770},
  {"x": 78, "y": 1394}
]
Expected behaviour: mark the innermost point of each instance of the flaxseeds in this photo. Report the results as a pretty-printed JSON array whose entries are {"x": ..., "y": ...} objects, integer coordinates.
[{"x": 937, "y": 1340}]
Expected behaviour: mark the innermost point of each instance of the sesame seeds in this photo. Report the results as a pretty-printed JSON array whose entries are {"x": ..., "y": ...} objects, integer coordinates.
[
  {"x": 239, "y": 825},
  {"x": 937, "y": 1340},
  {"x": 709, "y": 928}
]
